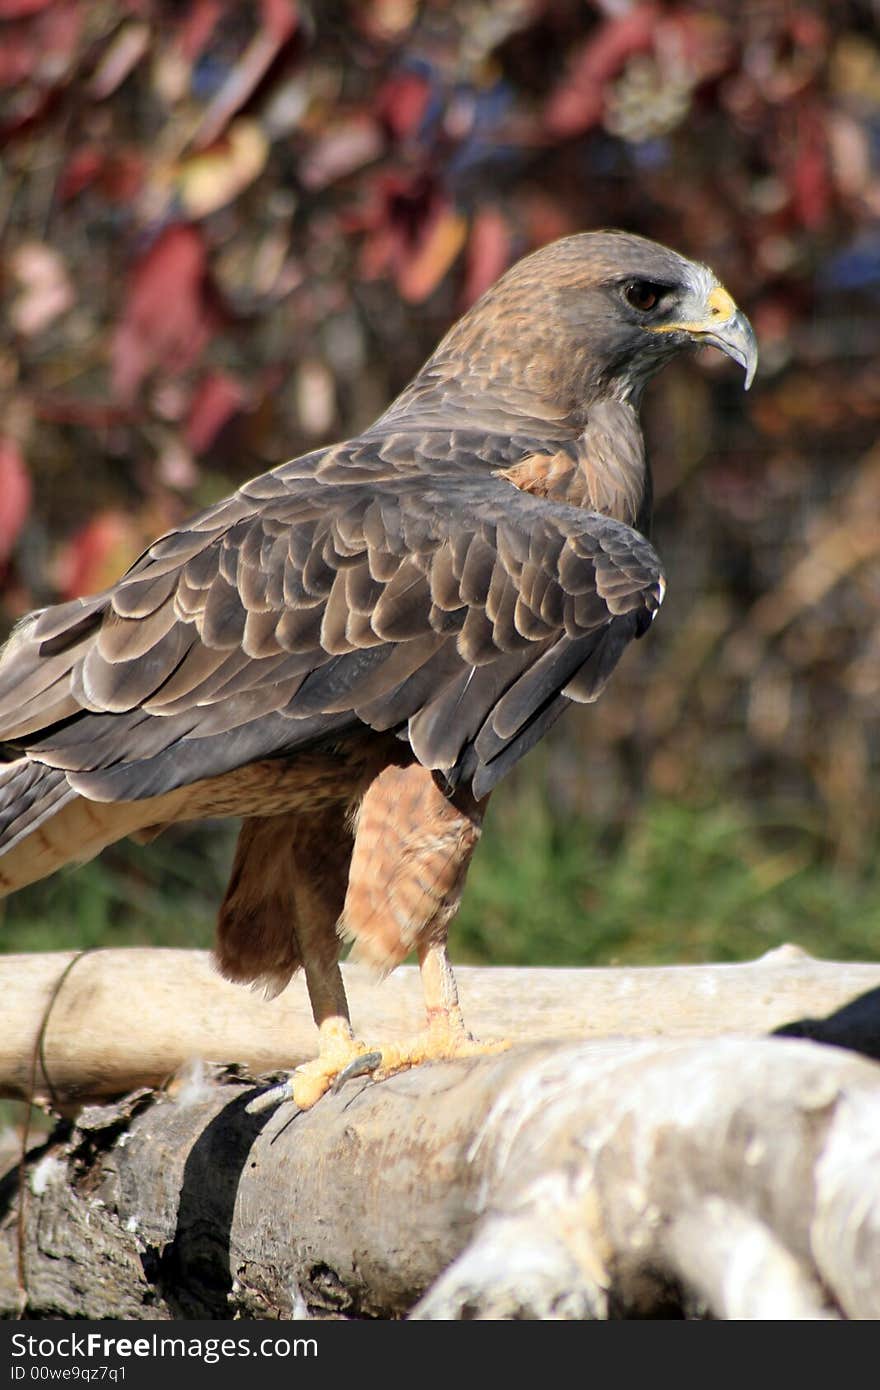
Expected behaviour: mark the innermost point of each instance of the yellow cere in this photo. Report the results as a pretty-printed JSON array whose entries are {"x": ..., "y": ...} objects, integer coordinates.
[
  {"x": 721, "y": 303},
  {"x": 721, "y": 307}
]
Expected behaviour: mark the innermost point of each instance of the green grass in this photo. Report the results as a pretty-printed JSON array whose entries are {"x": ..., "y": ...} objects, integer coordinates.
[
  {"x": 680, "y": 883},
  {"x": 163, "y": 894}
]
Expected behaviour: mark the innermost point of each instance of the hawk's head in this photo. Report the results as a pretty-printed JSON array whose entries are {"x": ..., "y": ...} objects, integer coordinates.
[{"x": 595, "y": 315}]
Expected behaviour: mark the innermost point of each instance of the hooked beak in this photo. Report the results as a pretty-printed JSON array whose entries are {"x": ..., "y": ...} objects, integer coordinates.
[{"x": 723, "y": 326}]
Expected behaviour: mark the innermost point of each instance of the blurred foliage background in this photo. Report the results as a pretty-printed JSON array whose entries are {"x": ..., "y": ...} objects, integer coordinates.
[{"x": 232, "y": 232}]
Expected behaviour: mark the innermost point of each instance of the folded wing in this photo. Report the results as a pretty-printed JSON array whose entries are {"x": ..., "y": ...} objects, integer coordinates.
[{"x": 462, "y": 616}]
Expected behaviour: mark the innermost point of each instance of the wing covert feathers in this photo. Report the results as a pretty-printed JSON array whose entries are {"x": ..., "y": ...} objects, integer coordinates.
[{"x": 453, "y": 610}]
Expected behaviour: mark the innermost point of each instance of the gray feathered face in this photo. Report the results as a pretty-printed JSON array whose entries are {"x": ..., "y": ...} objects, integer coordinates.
[
  {"x": 597, "y": 315},
  {"x": 655, "y": 304}
]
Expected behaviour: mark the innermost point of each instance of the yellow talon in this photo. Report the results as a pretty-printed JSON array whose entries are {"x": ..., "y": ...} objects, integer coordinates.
[{"x": 343, "y": 1058}]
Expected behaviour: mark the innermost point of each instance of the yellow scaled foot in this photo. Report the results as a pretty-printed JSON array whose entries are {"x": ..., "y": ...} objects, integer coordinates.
[
  {"x": 442, "y": 1040},
  {"x": 343, "y": 1057},
  {"x": 339, "y": 1053}
]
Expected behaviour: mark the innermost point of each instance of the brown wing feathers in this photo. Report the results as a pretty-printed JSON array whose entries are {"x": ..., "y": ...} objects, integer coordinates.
[{"x": 463, "y": 617}]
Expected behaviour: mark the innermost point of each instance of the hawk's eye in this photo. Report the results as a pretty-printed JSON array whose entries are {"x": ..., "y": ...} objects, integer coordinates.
[{"x": 643, "y": 295}]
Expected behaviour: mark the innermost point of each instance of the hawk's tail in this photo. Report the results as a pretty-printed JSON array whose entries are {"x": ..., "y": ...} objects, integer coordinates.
[
  {"x": 44, "y": 824},
  {"x": 29, "y": 794}
]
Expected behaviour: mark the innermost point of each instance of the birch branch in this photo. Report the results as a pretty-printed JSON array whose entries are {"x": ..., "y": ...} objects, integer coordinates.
[{"x": 123, "y": 1019}]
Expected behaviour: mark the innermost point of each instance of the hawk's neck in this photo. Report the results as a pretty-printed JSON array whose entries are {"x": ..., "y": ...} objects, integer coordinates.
[
  {"x": 596, "y": 461},
  {"x": 603, "y": 468}
]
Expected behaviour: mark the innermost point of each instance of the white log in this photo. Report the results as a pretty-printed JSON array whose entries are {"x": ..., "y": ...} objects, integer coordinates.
[{"x": 127, "y": 1018}]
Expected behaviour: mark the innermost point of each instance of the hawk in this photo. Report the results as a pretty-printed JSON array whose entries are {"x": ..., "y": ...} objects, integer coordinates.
[{"x": 354, "y": 648}]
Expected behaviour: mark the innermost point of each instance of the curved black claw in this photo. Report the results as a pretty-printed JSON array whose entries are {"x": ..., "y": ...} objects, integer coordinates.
[
  {"x": 364, "y": 1065},
  {"x": 275, "y": 1095}
]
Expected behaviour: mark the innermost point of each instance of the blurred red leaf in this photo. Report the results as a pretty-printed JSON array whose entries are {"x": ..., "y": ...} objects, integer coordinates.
[
  {"x": 96, "y": 556},
  {"x": 79, "y": 172},
  {"x": 122, "y": 175},
  {"x": 442, "y": 237},
  {"x": 401, "y": 103},
  {"x": 42, "y": 45},
  {"x": 18, "y": 57},
  {"x": 809, "y": 178},
  {"x": 218, "y": 397},
  {"x": 20, "y": 9},
  {"x": 15, "y": 495},
  {"x": 197, "y": 28},
  {"x": 279, "y": 18},
  {"x": 414, "y": 232},
  {"x": 118, "y": 174},
  {"x": 577, "y": 101},
  {"x": 545, "y": 218},
  {"x": 488, "y": 252},
  {"x": 63, "y": 409},
  {"x": 168, "y": 318}
]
